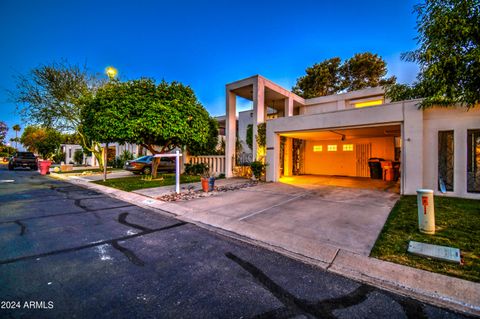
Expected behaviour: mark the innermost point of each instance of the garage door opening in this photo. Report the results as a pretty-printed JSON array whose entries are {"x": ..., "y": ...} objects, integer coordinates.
[{"x": 367, "y": 157}]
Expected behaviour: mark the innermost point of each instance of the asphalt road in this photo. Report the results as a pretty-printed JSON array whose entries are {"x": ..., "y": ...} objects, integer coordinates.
[{"x": 68, "y": 252}]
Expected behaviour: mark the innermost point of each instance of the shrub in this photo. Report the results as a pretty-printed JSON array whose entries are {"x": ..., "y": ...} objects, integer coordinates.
[
  {"x": 258, "y": 168},
  {"x": 78, "y": 157},
  {"x": 196, "y": 169}
]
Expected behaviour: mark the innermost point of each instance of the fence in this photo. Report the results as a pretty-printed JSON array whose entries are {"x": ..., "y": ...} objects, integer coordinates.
[{"x": 216, "y": 164}]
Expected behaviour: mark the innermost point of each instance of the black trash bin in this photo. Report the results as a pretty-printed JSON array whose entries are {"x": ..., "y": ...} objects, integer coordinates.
[{"x": 375, "y": 167}]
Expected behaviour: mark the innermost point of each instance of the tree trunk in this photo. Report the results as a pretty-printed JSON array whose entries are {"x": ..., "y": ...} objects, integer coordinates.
[
  {"x": 155, "y": 163},
  {"x": 105, "y": 154}
]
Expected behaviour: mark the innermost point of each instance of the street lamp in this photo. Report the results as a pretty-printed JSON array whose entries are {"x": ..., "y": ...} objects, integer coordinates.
[{"x": 111, "y": 72}]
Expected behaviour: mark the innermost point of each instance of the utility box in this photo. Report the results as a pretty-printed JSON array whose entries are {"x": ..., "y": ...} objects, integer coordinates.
[{"x": 426, "y": 211}]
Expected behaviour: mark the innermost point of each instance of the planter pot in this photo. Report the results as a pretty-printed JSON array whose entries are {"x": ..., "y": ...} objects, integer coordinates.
[{"x": 205, "y": 184}]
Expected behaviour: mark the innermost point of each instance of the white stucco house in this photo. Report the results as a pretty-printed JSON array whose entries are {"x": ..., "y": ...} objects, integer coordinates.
[{"x": 337, "y": 135}]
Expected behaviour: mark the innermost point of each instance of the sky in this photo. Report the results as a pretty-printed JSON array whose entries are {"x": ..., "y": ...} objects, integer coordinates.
[{"x": 205, "y": 44}]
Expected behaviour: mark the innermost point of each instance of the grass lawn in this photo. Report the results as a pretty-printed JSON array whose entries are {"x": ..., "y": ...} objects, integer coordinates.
[
  {"x": 137, "y": 182},
  {"x": 457, "y": 225},
  {"x": 94, "y": 170}
]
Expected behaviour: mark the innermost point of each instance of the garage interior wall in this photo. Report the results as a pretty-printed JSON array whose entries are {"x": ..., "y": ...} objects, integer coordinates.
[{"x": 341, "y": 162}]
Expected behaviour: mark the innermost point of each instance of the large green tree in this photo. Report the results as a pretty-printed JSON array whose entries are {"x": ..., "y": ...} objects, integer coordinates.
[
  {"x": 364, "y": 70},
  {"x": 332, "y": 76},
  {"x": 320, "y": 79},
  {"x": 53, "y": 95},
  {"x": 41, "y": 140},
  {"x": 158, "y": 117},
  {"x": 448, "y": 55}
]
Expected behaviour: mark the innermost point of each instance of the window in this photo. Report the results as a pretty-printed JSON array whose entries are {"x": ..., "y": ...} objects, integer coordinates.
[
  {"x": 369, "y": 103},
  {"x": 332, "y": 148},
  {"x": 473, "y": 161},
  {"x": 317, "y": 148},
  {"x": 347, "y": 147},
  {"x": 445, "y": 160},
  {"x": 70, "y": 152}
]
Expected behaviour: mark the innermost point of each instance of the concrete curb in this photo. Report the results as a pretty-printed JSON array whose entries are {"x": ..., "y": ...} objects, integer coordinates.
[{"x": 440, "y": 290}]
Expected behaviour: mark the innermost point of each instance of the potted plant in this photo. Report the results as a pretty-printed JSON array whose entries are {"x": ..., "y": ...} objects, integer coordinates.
[{"x": 205, "y": 178}]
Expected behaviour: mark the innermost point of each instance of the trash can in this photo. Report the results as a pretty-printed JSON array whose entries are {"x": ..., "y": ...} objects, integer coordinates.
[
  {"x": 211, "y": 184},
  {"x": 375, "y": 168},
  {"x": 426, "y": 211},
  {"x": 44, "y": 166}
]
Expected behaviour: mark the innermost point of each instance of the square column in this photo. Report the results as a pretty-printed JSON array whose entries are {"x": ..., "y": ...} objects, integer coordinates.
[
  {"x": 288, "y": 157},
  {"x": 288, "y": 107},
  {"x": 230, "y": 132},
  {"x": 258, "y": 112}
]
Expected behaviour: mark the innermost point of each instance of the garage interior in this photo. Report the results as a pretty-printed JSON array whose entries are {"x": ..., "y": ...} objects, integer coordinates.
[{"x": 366, "y": 157}]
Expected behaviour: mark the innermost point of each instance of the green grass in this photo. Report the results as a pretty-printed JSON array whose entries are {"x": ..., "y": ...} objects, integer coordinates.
[
  {"x": 94, "y": 170},
  {"x": 138, "y": 182},
  {"x": 457, "y": 225}
]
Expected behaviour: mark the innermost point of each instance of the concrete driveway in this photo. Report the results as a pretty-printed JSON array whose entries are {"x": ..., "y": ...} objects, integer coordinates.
[{"x": 313, "y": 220}]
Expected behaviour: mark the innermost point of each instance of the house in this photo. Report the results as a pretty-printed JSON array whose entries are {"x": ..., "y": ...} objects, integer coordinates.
[{"x": 356, "y": 134}]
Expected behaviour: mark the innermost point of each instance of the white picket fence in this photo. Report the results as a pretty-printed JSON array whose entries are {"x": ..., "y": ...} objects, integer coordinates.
[{"x": 216, "y": 164}]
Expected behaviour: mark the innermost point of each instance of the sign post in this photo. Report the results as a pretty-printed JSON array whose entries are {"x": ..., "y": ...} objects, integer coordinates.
[{"x": 177, "y": 156}]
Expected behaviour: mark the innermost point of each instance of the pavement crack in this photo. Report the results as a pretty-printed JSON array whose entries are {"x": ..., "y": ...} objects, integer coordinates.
[
  {"x": 23, "y": 227},
  {"x": 91, "y": 245},
  {"x": 122, "y": 219},
  {"x": 297, "y": 306},
  {"x": 128, "y": 253}
]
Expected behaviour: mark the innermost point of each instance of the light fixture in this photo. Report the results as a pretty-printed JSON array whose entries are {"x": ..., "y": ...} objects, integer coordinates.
[{"x": 111, "y": 72}]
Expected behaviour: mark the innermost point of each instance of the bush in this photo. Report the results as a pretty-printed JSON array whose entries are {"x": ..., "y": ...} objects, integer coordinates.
[
  {"x": 258, "y": 168},
  {"x": 4, "y": 154},
  {"x": 119, "y": 161},
  {"x": 196, "y": 169},
  {"x": 78, "y": 157},
  {"x": 59, "y": 156}
]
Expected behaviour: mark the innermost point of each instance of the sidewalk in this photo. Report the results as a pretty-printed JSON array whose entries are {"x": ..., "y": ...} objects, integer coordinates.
[{"x": 437, "y": 289}]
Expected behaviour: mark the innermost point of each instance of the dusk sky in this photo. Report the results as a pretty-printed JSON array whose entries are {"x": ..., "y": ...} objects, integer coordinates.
[{"x": 205, "y": 44}]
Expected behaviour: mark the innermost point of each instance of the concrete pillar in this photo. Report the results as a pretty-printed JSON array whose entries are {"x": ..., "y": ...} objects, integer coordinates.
[
  {"x": 258, "y": 111},
  {"x": 288, "y": 157},
  {"x": 288, "y": 107},
  {"x": 412, "y": 149},
  {"x": 230, "y": 132},
  {"x": 273, "y": 156}
]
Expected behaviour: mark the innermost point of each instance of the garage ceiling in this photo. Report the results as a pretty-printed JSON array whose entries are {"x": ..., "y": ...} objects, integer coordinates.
[{"x": 337, "y": 134}]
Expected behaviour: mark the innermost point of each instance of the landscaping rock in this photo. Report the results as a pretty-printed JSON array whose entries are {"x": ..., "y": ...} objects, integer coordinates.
[{"x": 192, "y": 194}]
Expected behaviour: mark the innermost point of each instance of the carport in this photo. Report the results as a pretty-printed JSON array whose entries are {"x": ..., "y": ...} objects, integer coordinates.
[{"x": 360, "y": 157}]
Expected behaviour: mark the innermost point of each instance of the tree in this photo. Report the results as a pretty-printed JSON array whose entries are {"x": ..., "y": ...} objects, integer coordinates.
[
  {"x": 41, "y": 140},
  {"x": 364, "y": 70},
  {"x": 3, "y": 132},
  {"x": 210, "y": 146},
  {"x": 361, "y": 71},
  {"x": 53, "y": 95},
  {"x": 321, "y": 79},
  {"x": 167, "y": 115},
  {"x": 17, "y": 129},
  {"x": 448, "y": 55}
]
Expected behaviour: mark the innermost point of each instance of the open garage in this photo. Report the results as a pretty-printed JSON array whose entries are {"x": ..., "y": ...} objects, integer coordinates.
[{"x": 364, "y": 157}]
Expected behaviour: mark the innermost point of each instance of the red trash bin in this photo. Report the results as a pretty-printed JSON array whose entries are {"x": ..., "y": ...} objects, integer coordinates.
[{"x": 44, "y": 166}]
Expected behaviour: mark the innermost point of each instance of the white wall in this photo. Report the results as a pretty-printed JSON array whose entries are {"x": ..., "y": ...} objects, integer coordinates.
[
  {"x": 442, "y": 119},
  {"x": 244, "y": 119}
]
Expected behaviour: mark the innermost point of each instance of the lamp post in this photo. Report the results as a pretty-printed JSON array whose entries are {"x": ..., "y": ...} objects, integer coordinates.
[{"x": 111, "y": 73}]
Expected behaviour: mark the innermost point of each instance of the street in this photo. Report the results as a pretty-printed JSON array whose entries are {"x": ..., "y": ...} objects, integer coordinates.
[{"x": 68, "y": 252}]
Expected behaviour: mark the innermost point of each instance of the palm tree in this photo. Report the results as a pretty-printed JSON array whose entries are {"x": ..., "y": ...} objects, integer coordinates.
[{"x": 17, "y": 129}]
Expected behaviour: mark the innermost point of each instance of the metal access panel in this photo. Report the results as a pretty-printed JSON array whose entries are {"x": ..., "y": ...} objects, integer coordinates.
[{"x": 434, "y": 251}]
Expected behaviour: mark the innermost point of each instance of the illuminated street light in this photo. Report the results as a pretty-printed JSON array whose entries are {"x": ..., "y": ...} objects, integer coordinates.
[{"x": 111, "y": 72}]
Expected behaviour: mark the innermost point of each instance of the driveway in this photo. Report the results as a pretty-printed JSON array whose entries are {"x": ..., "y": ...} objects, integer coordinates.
[{"x": 305, "y": 216}]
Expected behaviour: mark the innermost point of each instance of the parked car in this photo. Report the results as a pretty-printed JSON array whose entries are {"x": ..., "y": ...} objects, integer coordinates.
[
  {"x": 23, "y": 159},
  {"x": 144, "y": 165}
]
